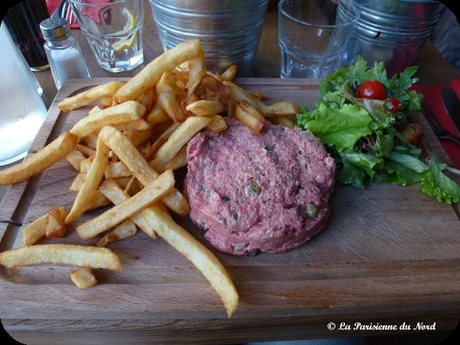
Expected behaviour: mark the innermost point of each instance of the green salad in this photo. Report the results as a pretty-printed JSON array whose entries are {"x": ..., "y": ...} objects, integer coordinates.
[{"x": 363, "y": 119}]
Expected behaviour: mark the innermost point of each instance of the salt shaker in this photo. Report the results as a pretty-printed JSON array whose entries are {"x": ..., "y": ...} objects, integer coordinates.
[{"x": 63, "y": 52}]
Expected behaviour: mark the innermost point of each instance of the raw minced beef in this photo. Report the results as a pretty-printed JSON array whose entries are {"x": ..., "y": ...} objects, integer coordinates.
[{"x": 265, "y": 192}]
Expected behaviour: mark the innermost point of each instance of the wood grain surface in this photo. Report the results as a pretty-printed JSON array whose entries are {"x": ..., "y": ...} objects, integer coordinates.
[{"x": 388, "y": 253}]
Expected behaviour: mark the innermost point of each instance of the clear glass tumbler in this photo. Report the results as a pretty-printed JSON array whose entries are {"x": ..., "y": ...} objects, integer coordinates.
[
  {"x": 113, "y": 30},
  {"x": 313, "y": 35},
  {"x": 23, "y": 111}
]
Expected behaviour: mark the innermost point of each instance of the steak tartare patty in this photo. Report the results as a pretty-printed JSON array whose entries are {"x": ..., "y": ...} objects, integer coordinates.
[{"x": 265, "y": 192}]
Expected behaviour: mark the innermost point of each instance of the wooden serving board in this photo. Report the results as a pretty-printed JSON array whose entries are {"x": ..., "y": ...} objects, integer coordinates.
[{"x": 387, "y": 250}]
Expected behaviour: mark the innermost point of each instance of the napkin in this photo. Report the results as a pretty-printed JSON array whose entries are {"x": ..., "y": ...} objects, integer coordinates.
[
  {"x": 432, "y": 95},
  {"x": 53, "y": 5}
]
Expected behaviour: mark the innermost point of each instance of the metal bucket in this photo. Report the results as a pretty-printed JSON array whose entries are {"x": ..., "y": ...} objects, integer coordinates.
[
  {"x": 229, "y": 30},
  {"x": 392, "y": 31}
]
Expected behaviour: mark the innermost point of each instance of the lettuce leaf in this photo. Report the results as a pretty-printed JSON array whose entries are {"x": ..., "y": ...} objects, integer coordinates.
[
  {"x": 339, "y": 127},
  {"x": 435, "y": 183}
]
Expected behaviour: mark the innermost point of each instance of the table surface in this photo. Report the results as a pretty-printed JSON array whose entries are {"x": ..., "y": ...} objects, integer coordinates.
[{"x": 433, "y": 69}]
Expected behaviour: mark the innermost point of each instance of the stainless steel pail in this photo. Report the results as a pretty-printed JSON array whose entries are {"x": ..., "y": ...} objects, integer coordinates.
[
  {"x": 229, "y": 30},
  {"x": 392, "y": 31}
]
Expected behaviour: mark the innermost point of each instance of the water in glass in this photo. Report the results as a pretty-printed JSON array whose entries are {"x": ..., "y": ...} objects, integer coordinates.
[{"x": 23, "y": 111}]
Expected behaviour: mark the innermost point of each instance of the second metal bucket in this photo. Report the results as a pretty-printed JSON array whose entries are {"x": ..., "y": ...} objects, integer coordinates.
[
  {"x": 392, "y": 31},
  {"x": 229, "y": 30}
]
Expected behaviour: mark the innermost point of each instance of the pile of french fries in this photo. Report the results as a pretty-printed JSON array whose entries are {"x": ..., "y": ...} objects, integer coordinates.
[{"x": 125, "y": 150}]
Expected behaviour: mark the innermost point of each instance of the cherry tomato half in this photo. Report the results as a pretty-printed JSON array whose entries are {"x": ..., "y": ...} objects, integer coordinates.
[
  {"x": 371, "y": 89},
  {"x": 411, "y": 131},
  {"x": 396, "y": 104}
]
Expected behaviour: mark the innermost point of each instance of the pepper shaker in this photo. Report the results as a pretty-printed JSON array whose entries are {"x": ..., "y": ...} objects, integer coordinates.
[{"x": 63, "y": 52}]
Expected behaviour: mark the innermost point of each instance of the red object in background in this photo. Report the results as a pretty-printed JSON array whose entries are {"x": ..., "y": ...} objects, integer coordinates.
[
  {"x": 53, "y": 5},
  {"x": 432, "y": 95}
]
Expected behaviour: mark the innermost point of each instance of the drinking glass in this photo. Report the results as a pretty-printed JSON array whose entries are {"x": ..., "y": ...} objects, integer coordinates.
[
  {"x": 113, "y": 29},
  {"x": 23, "y": 111},
  {"x": 23, "y": 23},
  {"x": 313, "y": 35}
]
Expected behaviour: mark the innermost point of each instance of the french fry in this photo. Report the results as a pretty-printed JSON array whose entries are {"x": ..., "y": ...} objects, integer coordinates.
[
  {"x": 260, "y": 96},
  {"x": 231, "y": 107},
  {"x": 66, "y": 254},
  {"x": 144, "y": 148},
  {"x": 157, "y": 115},
  {"x": 168, "y": 100},
  {"x": 117, "y": 214},
  {"x": 197, "y": 71},
  {"x": 95, "y": 109},
  {"x": 178, "y": 161},
  {"x": 123, "y": 231},
  {"x": 276, "y": 109},
  {"x": 147, "y": 99},
  {"x": 98, "y": 200},
  {"x": 55, "y": 222},
  {"x": 77, "y": 183},
  {"x": 206, "y": 262},
  {"x": 178, "y": 139},
  {"x": 130, "y": 185},
  {"x": 154, "y": 148},
  {"x": 159, "y": 128},
  {"x": 91, "y": 140},
  {"x": 120, "y": 113},
  {"x": 217, "y": 124},
  {"x": 211, "y": 89},
  {"x": 34, "y": 231},
  {"x": 43, "y": 159},
  {"x": 116, "y": 195},
  {"x": 163, "y": 138},
  {"x": 83, "y": 278},
  {"x": 181, "y": 75},
  {"x": 284, "y": 121},
  {"x": 138, "y": 125},
  {"x": 86, "y": 150},
  {"x": 106, "y": 102},
  {"x": 92, "y": 180},
  {"x": 192, "y": 98},
  {"x": 230, "y": 73},
  {"x": 128, "y": 154},
  {"x": 85, "y": 164},
  {"x": 89, "y": 96},
  {"x": 216, "y": 76},
  {"x": 250, "y": 117},
  {"x": 116, "y": 170},
  {"x": 204, "y": 108},
  {"x": 75, "y": 158},
  {"x": 138, "y": 137},
  {"x": 150, "y": 75}
]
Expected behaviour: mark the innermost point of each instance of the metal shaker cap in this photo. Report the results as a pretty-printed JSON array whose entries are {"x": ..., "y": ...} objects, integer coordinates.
[{"x": 55, "y": 29}]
